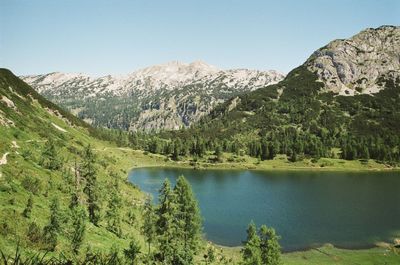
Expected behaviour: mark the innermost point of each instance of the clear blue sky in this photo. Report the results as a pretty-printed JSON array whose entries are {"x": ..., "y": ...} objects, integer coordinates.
[{"x": 101, "y": 37}]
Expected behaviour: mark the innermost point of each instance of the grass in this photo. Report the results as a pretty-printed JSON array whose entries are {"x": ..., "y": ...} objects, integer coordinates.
[
  {"x": 331, "y": 255},
  {"x": 231, "y": 161},
  {"x": 328, "y": 255}
]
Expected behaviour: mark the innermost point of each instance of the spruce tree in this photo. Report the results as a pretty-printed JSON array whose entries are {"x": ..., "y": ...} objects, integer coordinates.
[
  {"x": 149, "y": 228},
  {"x": 79, "y": 228},
  {"x": 187, "y": 221},
  {"x": 88, "y": 172},
  {"x": 251, "y": 253},
  {"x": 28, "y": 209},
  {"x": 218, "y": 153},
  {"x": 50, "y": 158},
  {"x": 175, "y": 153},
  {"x": 165, "y": 214},
  {"x": 113, "y": 215},
  {"x": 52, "y": 229},
  {"x": 270, "y": 248}
]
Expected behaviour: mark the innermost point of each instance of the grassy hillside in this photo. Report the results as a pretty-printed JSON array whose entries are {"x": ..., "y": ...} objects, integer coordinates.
[{"x": 29, "y": 122}]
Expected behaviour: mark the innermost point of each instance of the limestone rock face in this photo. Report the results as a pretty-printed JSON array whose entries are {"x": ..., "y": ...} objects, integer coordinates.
[
  {"x": 166, "y": 96},
  {"x": 354, "y": 66}
]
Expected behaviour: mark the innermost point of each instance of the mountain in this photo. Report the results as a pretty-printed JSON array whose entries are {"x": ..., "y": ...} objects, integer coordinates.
[
  {"x": 354, "y": 66},
  {"x": 344, "y": 101},
  {"x": 167, "y": 96}
]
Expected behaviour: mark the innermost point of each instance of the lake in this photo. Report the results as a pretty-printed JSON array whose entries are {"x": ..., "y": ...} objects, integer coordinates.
[{"x": 347, "y": 209}]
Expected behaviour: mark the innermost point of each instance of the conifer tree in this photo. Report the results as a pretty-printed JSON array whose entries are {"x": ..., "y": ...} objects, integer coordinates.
[
  {"x": 79, "y": 228},
  {"x": 50, "y": 158},
  {"x": 88, "y": 171},
  {"x": 52, "y": 229},
  {"x": 76, "y": 193},
  {"x": 165, "y": 213},
  {"x": 251, "y": 253},
  {"x": 113, "y": 214},
  {"x": 149, "y": 228},
  {"x": 270, "y": 248},
  {"x": 187, "y": 221},
  {"x": 176, "y": 150},
  {"x": 28, "y": 209},
  {"x": 218, "y": 153}
]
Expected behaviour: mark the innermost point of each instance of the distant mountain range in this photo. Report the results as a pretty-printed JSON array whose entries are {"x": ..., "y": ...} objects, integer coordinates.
[{"x": 167, "y": 96}]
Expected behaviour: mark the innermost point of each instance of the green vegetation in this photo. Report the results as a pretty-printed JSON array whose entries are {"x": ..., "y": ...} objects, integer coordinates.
[
  {"x": 262, "y": 248},
  {"x": 294, "y": 117},
  {"x": 64, "y": 194}
]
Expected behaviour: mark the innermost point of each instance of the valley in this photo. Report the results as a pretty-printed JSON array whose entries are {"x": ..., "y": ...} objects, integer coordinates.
[{"x": 313, "y": 155}]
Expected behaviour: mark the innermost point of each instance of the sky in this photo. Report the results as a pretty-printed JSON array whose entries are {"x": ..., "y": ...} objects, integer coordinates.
[{"x": 116, "y": 37}]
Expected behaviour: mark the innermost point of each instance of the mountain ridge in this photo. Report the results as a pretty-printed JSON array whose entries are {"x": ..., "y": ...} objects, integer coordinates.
[
  {"x": 307, "y": 116},
  {"x": 165, "y": 96}
]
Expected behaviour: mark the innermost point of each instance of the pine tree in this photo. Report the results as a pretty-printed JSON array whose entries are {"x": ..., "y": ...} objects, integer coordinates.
[
  {"x": 251, "y": 253},
  {"x": 264, "y": 150},
  {"x": 52, "y": 229},
  {"x": 50, "y": 158},
  {"x": 89, "y": 175},
  {"x": 270, "y": 248},
  {"x": 175, "y": 153},
  {"x": 218, "y": 153},
  {"x": 28, "y": 209},
  {"x": 113, "y": 215},
  {"x": 79, "y": 228},
  {"x": 149, "y": 228},
  {"x": 165, "y": 212},
  {"x": 76, "y": 193},
  {"x": 187, "y": 220}
]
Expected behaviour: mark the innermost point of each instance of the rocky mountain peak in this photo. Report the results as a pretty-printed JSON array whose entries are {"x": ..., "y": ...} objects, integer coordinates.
[
  {"x": 168, "y": 96},
  {"x": 353, "y": 66}
]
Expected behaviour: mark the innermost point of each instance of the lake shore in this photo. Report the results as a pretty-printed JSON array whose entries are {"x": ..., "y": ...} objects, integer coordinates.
[
  {"x": 325, "y": 254},
  {"x": 249, "y": 163}
]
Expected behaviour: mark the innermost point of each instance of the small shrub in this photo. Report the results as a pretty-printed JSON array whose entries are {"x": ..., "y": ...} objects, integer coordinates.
[
  {"x": 34, "y": 233},
  {"x": 32, "y": 184}
]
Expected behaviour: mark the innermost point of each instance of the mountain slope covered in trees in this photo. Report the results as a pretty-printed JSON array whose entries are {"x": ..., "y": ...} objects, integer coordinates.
[{"x": 309, "y": 114}]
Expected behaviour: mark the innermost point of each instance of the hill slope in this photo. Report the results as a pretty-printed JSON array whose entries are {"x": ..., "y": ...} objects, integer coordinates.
[
  {"x": 41, "y": 148},
  {"x": 336, "y": 100},
  {"x": 167, "y": 96}
]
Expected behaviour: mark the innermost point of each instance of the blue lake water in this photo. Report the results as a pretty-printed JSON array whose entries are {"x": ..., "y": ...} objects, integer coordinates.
[{"x": 347, "y": 209}]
